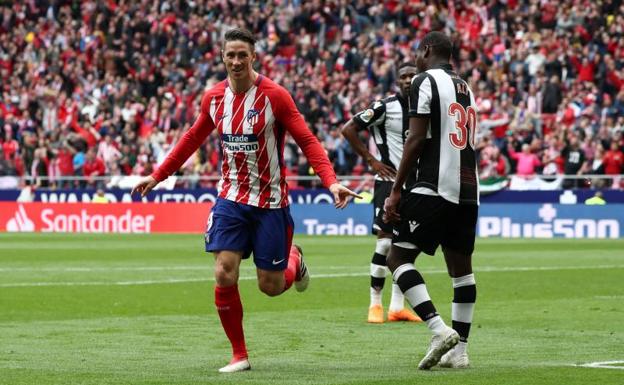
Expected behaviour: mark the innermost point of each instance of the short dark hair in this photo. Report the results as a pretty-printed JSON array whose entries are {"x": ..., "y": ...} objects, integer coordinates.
[
  {"x": 240, "y": 34},
  {"x": 440, "y": 44},
  {"x": 406, "y": 64}
]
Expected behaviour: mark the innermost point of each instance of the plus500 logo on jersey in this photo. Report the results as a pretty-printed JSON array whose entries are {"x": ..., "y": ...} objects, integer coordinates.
[
  {"x": 240, "y": 143},
  {"x": 550, "y": 221}
]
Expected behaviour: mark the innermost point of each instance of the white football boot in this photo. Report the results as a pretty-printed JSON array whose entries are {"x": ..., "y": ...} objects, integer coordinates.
[
  {"x": 440, "y": 344},
  {"x": 456, "y": 358},
  {"x": 236, "y": 366}
]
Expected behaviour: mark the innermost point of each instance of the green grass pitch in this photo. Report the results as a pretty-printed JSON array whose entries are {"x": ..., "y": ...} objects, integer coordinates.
[{"x": 102, "y": 309}]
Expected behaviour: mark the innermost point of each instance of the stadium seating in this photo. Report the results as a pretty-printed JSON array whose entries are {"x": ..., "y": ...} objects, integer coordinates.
[{"x": 126, "y": 79}]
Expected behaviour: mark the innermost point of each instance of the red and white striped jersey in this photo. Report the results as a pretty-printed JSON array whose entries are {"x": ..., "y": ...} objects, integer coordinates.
[{"x": 252, "y": 126}]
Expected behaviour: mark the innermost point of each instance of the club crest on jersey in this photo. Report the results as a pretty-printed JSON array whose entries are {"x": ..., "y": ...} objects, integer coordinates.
[
  {"x": 252, "y": 116},
  {"x": 367, "y": 115}
]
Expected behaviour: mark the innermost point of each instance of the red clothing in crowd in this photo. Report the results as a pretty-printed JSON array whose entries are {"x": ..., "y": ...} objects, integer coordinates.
[
  {"x": 9, "y": 147},
  {"x": 86, "y": 135},
  {"x": 613, "y": 161},
  {"x": 585, "y": 70},
  {"x": 615, "y": 80},
  {"x": 65, "y": 162},
  {"x": 94, "y": 167}
]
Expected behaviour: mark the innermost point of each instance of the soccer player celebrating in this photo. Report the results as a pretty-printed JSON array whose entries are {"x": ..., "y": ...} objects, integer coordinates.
[
  {"x": 387, "y": 121},
  {"x": 442, "y": 206},
  {"x": 252, "y": 115}
]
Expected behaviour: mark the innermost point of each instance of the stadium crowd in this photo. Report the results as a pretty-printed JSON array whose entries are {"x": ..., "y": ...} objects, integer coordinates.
[{"x": 95, "y": 88}]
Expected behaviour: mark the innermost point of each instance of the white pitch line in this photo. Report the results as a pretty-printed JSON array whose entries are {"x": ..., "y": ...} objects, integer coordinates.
[
  {"x": 326, "y": 275},
  {"x": 603, "y": 365},
  {"x": 134, "y": 268},
  {"x": 157, "y": 281},
  {"x": 484, "y": 269}
]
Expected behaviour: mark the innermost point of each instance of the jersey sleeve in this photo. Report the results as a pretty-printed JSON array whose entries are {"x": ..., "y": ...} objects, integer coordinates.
[
  {"x": 420, "y": 96},
  {"x": 189, "y": 143},
  {"x": 288, "y": 116},
  {"x": 373, "y": 114}
]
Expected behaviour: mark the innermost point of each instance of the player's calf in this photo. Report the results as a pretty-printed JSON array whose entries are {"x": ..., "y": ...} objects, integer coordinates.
[{"x": 302, "y": 280}]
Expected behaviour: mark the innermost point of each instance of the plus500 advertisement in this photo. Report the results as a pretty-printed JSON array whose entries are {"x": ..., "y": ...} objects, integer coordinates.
[{"x": 495, "y": 220}]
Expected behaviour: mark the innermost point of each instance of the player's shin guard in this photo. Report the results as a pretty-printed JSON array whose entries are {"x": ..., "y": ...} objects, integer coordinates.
[
  {"x": 290, "y": 274},
  {"x": 230, "y": 311},
  {"x": 378, "y": 269},
  {"x": 465, "y": 295},
  {"x": 413, "y": 287}
]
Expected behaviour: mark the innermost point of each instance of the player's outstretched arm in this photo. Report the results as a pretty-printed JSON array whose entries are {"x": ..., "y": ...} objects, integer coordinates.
[
  {"x": 342, "y": 195},
  {"x": 144, "y": 186}
]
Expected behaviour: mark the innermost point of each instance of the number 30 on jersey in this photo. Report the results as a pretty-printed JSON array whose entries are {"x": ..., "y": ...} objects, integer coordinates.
[{"x": 465, "y": 123}]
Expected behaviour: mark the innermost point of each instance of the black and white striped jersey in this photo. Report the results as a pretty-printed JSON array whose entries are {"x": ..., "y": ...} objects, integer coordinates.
[
  {"x": 387, "y": 121},
  {"x": 447, "y": 165}
]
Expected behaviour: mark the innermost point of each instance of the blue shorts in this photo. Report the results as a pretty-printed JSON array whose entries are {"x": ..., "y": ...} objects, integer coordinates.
[{"x": 239, "y": 227}]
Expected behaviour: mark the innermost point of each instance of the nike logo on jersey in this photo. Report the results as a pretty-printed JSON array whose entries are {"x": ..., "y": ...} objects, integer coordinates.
[
  {"x": 222, "y": 117},
  {"x": 413, "y": 225},
  {"x": 278, "y": 262}
]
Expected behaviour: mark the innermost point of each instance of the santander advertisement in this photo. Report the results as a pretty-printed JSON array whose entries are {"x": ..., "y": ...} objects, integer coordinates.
[{"x": 104, "y": 218}]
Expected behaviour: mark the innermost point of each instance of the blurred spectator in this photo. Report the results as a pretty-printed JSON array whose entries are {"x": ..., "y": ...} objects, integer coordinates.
[
  {"x": 597, "y": 199},
  {"x": 526, "y": 161},
  {"x": 93, "y": 169},
  {"x": 574, "y": 159},
  {"x": 6, "y": 168},
  {"x": 108, "y": 152},
  {"x": 613, "y": 160},
  {"x": 99, "y": 197},
  {"x": 493, "y": 164}
]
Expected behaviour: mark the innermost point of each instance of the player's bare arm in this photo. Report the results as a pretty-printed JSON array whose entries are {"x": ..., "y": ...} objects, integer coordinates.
[
  {"x": 349, "y": 131},
  {"x": 411, "y": 152}
]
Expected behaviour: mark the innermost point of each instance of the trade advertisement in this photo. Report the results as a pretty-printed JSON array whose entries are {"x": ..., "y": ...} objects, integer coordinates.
[{"x": 495, "y": 220}]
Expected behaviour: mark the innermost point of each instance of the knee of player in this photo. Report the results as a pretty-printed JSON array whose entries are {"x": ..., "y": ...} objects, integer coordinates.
[
  {"x": 393, "y": 262},
  {"x": 456, "y": 271},
  {"x": 269, "y": 288},
  {"x": 225, "y": 274}
]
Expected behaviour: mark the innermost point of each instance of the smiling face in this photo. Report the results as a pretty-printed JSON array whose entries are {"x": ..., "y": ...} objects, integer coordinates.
[{"x": 238, "y": 57}]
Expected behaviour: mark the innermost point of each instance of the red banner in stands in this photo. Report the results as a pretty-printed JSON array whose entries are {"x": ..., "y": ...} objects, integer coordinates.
[{"x": 137, "y": 218}]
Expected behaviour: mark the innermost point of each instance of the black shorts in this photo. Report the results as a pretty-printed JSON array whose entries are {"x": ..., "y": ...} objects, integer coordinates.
[
  {"x": 428, "y": 221},
  {"x": 382, "y": 191}
]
